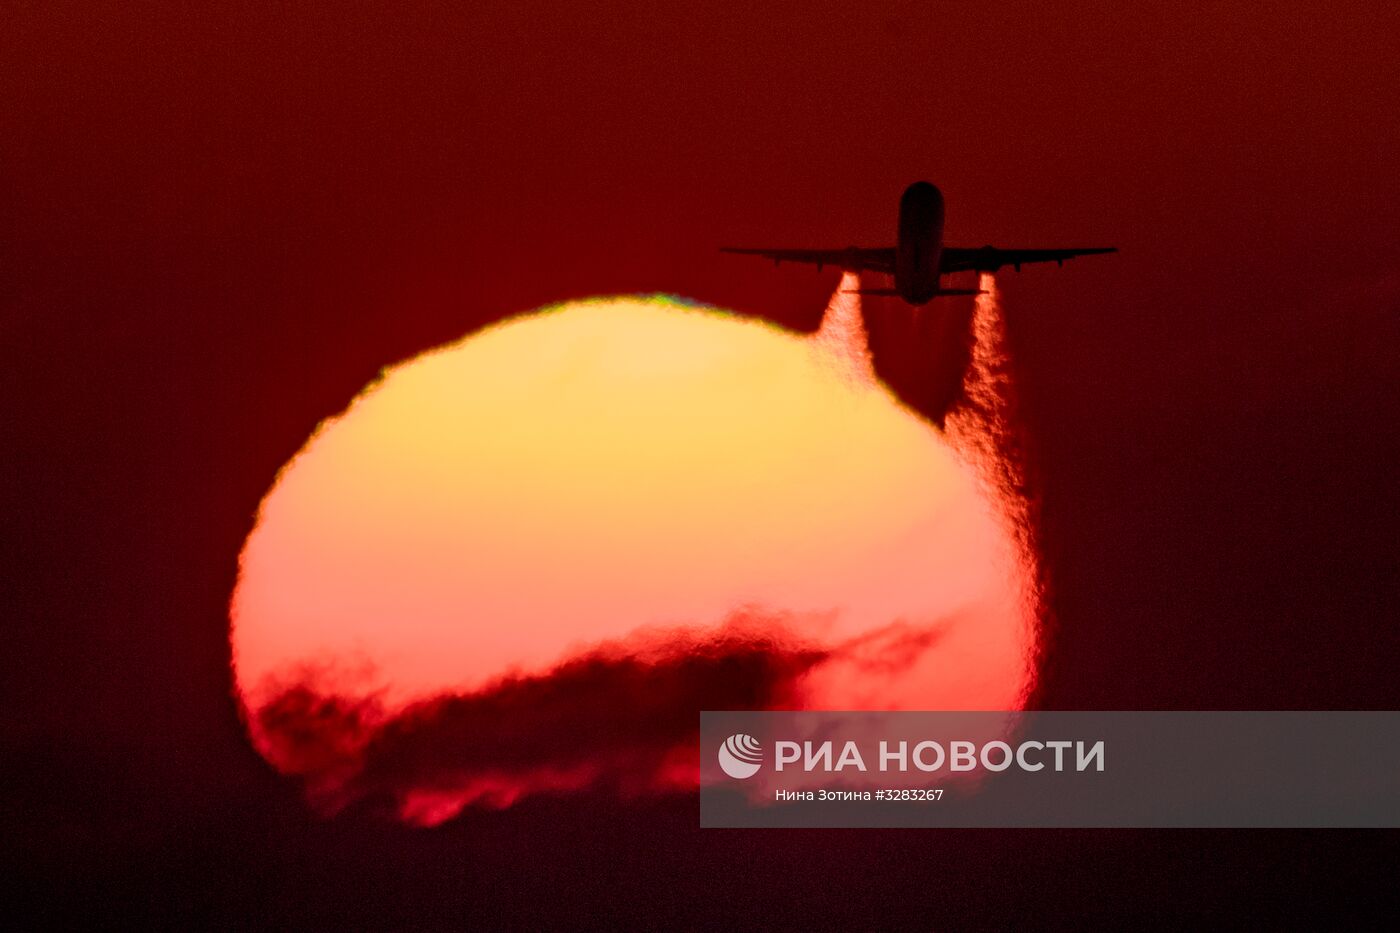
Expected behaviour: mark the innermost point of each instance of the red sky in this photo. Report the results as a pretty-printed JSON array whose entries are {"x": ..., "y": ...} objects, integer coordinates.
[{"x": 216, "y": 226}]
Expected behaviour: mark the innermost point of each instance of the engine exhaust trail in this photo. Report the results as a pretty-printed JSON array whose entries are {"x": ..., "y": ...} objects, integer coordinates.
[
  {"x": 984, "y": 429},
  {"x": 842, "y": 337}
]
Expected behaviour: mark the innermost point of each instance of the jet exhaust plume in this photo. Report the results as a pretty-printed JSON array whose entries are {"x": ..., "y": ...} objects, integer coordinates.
[
  {"x": 983, "y": 426},
  {"x": 841, "y": 337}
]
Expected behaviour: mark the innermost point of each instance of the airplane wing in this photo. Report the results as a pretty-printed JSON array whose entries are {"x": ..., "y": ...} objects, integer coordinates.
[
  {"x": 852, "y": 258},
  {"x": 990, "y": 259}
]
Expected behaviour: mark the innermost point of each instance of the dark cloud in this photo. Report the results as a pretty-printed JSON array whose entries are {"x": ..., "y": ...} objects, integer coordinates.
[
  {"x": 617, "y": 714},
  {"x": 890, "y": 649},
  {"x": 621, "y": 715}
]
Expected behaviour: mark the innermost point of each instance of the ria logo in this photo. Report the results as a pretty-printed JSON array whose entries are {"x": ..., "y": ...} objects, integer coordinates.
[{"x": 740, "y": 756}]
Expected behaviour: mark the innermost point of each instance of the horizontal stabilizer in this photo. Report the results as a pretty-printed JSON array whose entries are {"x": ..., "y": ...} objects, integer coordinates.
[{"x": 893, "y": 293}]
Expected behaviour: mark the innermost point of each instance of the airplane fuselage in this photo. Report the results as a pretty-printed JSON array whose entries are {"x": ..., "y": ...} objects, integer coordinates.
[{"x": 919, "y": 244}]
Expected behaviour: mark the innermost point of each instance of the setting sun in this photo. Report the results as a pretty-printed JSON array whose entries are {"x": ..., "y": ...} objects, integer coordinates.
[{"x": 630, "y": 479}]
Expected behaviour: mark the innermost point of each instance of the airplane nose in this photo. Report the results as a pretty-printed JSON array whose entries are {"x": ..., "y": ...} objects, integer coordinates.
[
  {"x": 922, "y": 192},
  {"x": 922, "y": 199}
]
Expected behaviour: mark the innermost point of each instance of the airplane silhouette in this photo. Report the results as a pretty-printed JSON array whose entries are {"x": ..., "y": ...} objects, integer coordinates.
[{"x": 919, "y": 259}]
